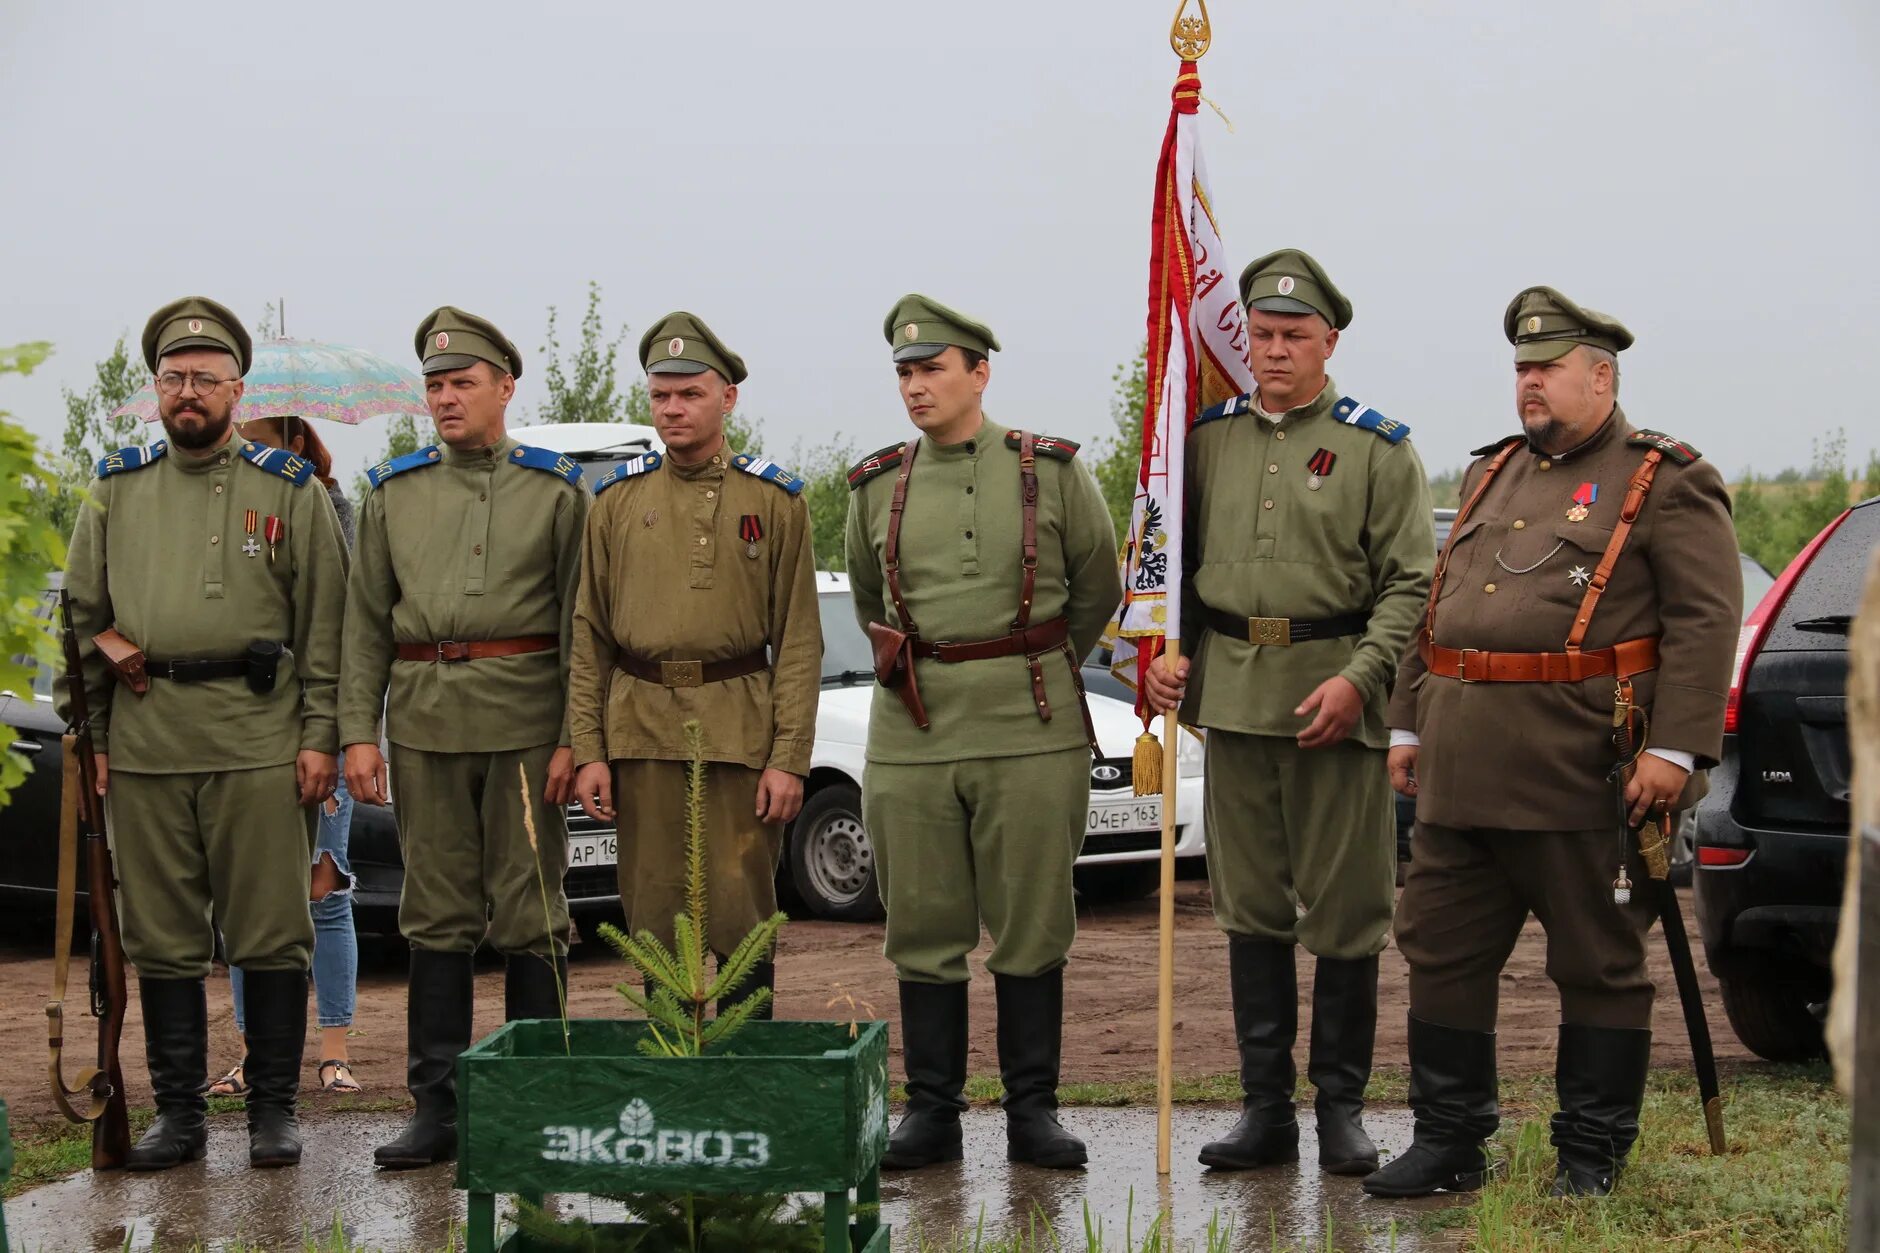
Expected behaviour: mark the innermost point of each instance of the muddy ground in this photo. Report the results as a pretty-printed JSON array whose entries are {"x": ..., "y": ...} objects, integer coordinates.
[{"x": 1110, "y": 999}]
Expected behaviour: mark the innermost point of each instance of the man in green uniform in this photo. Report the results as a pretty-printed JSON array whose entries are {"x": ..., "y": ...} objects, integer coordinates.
[
  {"x": 460, "y": 601},
  {"x": 1590, "y": 560},
  {"x": 216, "y": 577},
  {"x": 697, "y": 602},
  {"x": 983, "y": 566},
  {"x": 1307, "y": 555}
]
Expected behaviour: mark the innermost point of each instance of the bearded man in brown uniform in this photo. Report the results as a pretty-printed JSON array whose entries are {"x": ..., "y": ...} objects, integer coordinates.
[{"x": 1589, "y": 557}]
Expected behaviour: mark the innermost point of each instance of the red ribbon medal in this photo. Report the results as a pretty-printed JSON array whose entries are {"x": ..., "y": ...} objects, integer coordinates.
[
  {"x": 750, "y": 530},
  {"x": 273, "y": 531},
  {"x": 1583, "y": 497}
]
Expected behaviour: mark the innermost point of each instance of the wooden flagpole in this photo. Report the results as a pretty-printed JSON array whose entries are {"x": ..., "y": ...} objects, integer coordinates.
[{"x": 1165, "y": 975}]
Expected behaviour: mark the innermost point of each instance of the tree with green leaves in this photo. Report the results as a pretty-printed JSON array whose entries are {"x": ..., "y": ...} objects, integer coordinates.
[
  {"x": 1117, "y": 460},
  {"x": 825, "y": 472},
  {"x": 57, "y": 484},
  {"x": 30, "y": 549},
  {"x": 586, "y": 388}
]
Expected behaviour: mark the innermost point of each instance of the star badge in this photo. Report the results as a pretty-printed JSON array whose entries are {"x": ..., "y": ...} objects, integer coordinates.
[{"x": 1580, "y": 575}]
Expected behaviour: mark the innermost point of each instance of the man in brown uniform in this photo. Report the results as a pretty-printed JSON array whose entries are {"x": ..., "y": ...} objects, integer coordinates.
[
  {"x": 459, "y": 605},
  {"x": 697, "y": 601},
  {"x": 212, "y": 555},
  {"x": 1590, "y": 560}
]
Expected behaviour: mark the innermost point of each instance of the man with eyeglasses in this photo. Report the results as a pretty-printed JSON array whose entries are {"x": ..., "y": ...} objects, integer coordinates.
[
  {"x": 208, "y": 587},
  {"x": 460, "y": 605}
]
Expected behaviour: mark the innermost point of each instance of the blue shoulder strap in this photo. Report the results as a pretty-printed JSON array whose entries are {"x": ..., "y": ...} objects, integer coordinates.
[
  {"x": 641, "y": 464},
  {"x": 558, "y": 464},
  {"x": 135, "y": 457},
  {"x": 1226, "y": 409},
  {"x": 283, "y": 462},
  {"x": 1355, "y": 413},
  {"x": 398, "y": 465},
  {"x": 769, "y": 471}
]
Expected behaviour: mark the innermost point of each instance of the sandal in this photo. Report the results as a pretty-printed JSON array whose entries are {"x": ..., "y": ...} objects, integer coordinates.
[
  {"x": 231, "y": 1084},
  {"x": 342, "y": 1080}
]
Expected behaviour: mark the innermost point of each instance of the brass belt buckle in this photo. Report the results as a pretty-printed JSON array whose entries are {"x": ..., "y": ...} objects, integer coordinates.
[
  {"x": 1462, "y": 664},
  {"x": 682, "y": 673},
  {"x": 1276, "y": 631}
]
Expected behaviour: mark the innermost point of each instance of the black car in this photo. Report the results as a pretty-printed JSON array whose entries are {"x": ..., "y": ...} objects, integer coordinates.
[{"x": 1771, "y": 840}]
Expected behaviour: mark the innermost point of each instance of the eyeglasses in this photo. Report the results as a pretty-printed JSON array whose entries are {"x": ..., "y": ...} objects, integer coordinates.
[{"x": 170, "y": 382}]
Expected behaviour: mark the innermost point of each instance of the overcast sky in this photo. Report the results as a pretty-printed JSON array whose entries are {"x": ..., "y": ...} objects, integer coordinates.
[{"x": 1705, "y": 171}]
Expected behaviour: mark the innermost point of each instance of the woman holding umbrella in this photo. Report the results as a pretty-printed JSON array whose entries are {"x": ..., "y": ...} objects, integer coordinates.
[{"x": 335, "y": 945}]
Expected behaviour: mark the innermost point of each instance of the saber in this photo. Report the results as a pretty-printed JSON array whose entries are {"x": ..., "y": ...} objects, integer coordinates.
[{"x": 1656, "y": 853}]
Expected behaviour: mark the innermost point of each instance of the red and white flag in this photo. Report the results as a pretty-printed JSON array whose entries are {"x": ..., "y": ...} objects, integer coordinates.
[{"x": 1198, "y": 357}]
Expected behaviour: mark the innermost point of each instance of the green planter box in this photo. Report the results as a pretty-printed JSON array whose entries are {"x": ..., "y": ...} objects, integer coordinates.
[{"x": 784, "y": 1107}]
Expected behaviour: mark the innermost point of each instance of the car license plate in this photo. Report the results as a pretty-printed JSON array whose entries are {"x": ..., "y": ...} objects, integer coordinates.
[
  {"x": 592, "y": 850},
  {"x": 1135, "y": 813}
]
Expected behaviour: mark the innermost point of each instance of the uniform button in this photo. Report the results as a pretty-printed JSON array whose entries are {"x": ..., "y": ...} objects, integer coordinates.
[
  {"x": 476, "y": 550},
  {"x": 483, "y": 495},
  {"x": 711, "y": 495},
  {"x": 701, "y": 541},
  {"x": 1546, "y": 465},
  {"x": 969, "y": 489},
  {"x": 1490, "y": 589},
  {"x": 218, "y": 489},
  {"x": 1273, "y": 469},
  {"x": 969, "y": 535},
  {"x": 215, "y": 539},
  {"x": 221, "y": 461},
  {"x": 972, "y": 445},
  {"x": 1266, "y": 504},
  {"x": 1519, "y": 525},
  {"x": 1279, "y": 435}
]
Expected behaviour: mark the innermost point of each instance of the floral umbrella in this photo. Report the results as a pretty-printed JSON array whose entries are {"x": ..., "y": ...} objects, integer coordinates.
[{"x": 310, "y": 380}]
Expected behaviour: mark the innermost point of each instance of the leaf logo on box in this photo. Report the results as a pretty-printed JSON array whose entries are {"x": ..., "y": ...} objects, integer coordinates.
[{"x": 638, "y": 1140}]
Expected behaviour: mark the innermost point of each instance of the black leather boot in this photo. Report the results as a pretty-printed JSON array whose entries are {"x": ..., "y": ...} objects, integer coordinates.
[
  {"x": 933, "y": 1051},
  {"x": 533, "y": 986},
  {"x": 1265, "y": 986},
  {"x": 277, "y": 1039},
  {"x": 437, "y": 1029},
  {"x": 763, "y": 975},
  {"x": 1599, "y": 1075},
  {"x": 1344, "y": 1029},
  {"x": 1452, "y": 1092},
  {"x": 1031, "y": 1050},
  {"x": 176, "y": 1046}
]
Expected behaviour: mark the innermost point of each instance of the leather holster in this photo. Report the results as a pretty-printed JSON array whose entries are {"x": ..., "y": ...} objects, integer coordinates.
[
  {"x": 894, "y": 668},
  {"x": 125, "y": 659}
]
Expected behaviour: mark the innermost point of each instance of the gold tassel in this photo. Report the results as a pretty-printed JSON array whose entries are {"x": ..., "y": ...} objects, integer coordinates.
[{"x": 1148, "y": 765}]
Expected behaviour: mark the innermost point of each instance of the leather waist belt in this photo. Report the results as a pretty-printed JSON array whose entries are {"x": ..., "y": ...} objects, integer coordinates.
[
  {"x": 447, "y": 652},
  {"x": 1022, "y": 643},
  {"x": 1283, "y": 631},
  {"x": 1478, "y": 665},
  {"x": 197, "y": 671},
  {"x": 692, "y": 673}
]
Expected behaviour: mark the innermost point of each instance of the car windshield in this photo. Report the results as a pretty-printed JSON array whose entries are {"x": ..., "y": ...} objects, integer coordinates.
[
  {"x": 1756, "y": 584},
  {"x": 846, "y": 655}
]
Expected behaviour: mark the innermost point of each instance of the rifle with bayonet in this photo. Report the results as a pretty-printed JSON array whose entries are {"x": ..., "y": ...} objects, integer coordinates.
[
  {"x": 98, "y": 1096},
  {"x": 1629, "y": 733}
]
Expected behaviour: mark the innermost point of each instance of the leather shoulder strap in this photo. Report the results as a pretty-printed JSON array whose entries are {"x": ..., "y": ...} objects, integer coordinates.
[
  {"x": 891, "y": 554},
  {"x": 1628, "y": 514},
  {"x": 1455, "y": 529},
  {"x": 1028, "y": 503}
]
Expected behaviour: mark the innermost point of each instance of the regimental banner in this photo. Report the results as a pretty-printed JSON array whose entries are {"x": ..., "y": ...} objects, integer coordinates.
[{"x": 1198, "y": 356}]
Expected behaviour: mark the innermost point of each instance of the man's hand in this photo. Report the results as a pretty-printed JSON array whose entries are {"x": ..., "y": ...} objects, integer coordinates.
[
  {"x": 560, "y": 789},
  {"x": 594, "y": 788},
  {"x": 1656, "y": 783},
  {"x": 1403, "y": 770},
  {"x": 104, "y": 771},
  {"x": 1339, "y": 707},
  {"x": 317, "y": 774},
  {"x": 366, "y": 776},
  {"x": 779, "y": 796},
  {"x": 1166, "y": 682}
]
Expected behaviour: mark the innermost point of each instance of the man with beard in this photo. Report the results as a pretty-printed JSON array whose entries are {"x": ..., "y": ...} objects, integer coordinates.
[
  {"x": 1309, "y": 548},
  {"x": 698, "y": 601},
  {"x": 460, "y": 601},
  {"x": 1591, "y": 563},
  {"x": 982, "y": 562},
  {"x": 208, "y": 579}
]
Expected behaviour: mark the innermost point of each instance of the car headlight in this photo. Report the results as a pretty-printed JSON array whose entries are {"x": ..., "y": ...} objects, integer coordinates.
[{"x": 1190, "y": 754}]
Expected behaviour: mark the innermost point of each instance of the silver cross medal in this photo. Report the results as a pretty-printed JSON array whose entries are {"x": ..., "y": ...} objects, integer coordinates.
[
  {"x": 251, "y": 549},
  {"x": 1580, "y": 576}
]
